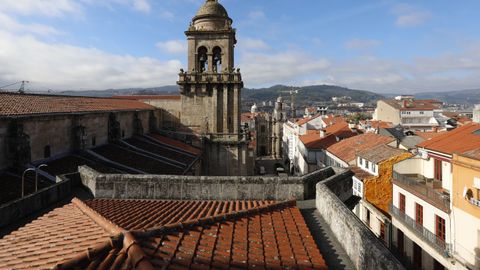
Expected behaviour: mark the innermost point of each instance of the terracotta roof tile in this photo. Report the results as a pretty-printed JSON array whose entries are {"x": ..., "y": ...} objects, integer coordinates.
[
  {"x": 459, "y": 140},
  {"x": 312, "y": 139},
  {"x": 150, "y": 97},
  {"x": 306, "y": 120},
  {"x": 428, "y": 135},
  {"x": 415, "y": 104},
  {"x": 177, "y": 144},
  {"x": 12, "y": 104},
  {"x": 204, "y": 235},
  {"x": 380, "y": 153},
  {"x": 347, "y": 149},
  {"x": 58, "y": 235},
  {"x": 273, "y": 236},
  {"x": 361, "y": 174}
]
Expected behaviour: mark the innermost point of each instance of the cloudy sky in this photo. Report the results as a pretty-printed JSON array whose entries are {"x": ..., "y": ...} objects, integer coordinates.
[{"x": 379, "y": 45}]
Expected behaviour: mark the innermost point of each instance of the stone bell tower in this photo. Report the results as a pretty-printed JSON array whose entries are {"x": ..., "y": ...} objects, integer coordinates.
[{"x": 211, "y": 90}]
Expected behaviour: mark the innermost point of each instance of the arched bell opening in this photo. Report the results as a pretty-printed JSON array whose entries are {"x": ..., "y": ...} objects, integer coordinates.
[
  {"x": 202, "y": 59},
  {"x": 217, "y": 60}
]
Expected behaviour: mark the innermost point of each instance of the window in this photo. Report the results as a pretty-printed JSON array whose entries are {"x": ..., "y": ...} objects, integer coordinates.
[
  {"x": 438, "y": 169},
  {"x": 368, "y": 218},
  {"x": 262, "y": 129},
  {"x": 401, "y": 203},
  {"x": 419, "y": 214},
  {"x": 422, "y": 113},
  {"x": 94, "y": 141},
  {"x": 382, "y": 230},
  {"x": 437, "y": 265},
  {"x": 400, "y": 242},
  {"x": 440, "y": 229},
  {"x": 123, "y": 133},
  {"x": 417, "y": 256},
  {"x": 47, "y": 151}
]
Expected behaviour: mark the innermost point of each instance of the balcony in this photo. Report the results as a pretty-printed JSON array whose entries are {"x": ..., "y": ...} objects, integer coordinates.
[
  {"x": 197, "y": 77},
  {"x": 427, "y": 189},
  {"x": 434, "y": 241},
  {"x": 474, "y": 201}
]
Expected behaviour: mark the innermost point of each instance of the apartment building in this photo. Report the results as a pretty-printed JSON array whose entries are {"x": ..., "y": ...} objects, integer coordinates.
[
  {"x": 372, "y": 182},
  {"x": 292, "y": 130},
  {"x": 466, "y": 208},
  {"x": 423, "y": 222},
  {"x": 344, "y": 153},
  {"x": 310, "y": 151},
  {"x": 414, "y": 114}
]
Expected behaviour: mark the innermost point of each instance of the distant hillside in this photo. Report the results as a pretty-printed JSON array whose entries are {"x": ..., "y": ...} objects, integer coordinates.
[
  {"x": 315, "y": 93},
  {"x": 169, "y": 89},
  {"x": 471, "y": 96}
]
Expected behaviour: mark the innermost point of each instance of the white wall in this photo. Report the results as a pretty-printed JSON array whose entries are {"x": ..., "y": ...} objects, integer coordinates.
[
  {"x": 429, "y": 211},
  {"x": 467, "y": 237}
]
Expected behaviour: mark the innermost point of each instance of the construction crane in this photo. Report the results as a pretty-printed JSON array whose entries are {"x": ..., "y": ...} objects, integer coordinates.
[
  {"x": 293, "y": 92},
  {"x": 21, "y": 90}
]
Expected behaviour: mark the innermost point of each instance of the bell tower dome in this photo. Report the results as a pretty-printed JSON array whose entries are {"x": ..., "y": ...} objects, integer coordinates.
[{"x": 211, "y": 89}]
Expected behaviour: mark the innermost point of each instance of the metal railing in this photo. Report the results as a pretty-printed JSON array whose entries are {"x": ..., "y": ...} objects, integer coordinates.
[
  {"x": 433, "y": 240},
  {"x": 426, "y": 187},
  {"x": 475, "y": 202}
]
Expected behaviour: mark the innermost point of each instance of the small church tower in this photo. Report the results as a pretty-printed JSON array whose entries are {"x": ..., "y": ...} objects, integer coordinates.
[{"x": 211, "y": 88}]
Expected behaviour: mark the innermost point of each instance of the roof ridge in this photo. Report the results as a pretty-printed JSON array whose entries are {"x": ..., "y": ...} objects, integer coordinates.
[
  {"x": 100, "y": 220},
  {"x": 210, "y": 220}
]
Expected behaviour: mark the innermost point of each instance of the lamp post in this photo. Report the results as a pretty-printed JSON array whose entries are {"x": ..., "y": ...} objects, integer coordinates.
[
  {"x": 36, "y": 175},
  {"x": 35, "y": 169},
  {"x": 23, "y": 179}
]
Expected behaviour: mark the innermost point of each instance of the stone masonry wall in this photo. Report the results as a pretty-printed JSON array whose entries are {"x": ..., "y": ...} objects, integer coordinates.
[
  {"x": 364, "y": 249},
  {"x": 200, "y": 187}
]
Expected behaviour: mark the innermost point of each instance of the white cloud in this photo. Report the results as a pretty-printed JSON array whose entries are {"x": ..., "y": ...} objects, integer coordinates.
[
  {"x": 409, "y": 16},
  {"x": 286, "y": 67},
  {"x": 173, "y": 46},
  {"x": 167, "y": 15},
  {"x": 50, "y": 8},
  {"x": 361, "y": 44},
  {"x": 256, "y": 15},
  {"x": 10, "y": 25},
  {"x": 61, "y": 66},
  {"x": 142, "y": 5},
  {"x": 252, "y": 44}
]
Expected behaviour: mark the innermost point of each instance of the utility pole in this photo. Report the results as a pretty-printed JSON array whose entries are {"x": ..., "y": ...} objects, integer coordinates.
[{"x": 22, "y": 87}]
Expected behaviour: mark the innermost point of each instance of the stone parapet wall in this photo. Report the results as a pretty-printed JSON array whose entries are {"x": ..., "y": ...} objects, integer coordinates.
[
  {"x": 364, "y": 249},
  {"x": 15, "y": 210},
  {"x": 201, "y": 187}
]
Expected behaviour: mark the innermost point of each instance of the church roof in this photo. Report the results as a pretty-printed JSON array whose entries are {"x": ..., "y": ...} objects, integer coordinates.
[
  {"x": 146, "y": 234},
  {"x": 212, "y": 8}
]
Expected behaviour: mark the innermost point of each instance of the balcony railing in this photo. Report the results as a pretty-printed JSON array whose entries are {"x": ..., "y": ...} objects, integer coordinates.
[
  {"x": 426, "y": 188},
  {"x": 475, "y": 202},
  {"x": 433, "y": 240}
]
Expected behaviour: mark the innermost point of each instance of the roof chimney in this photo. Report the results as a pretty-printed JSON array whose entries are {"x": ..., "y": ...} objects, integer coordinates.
[{"x": 323, "y": 133}]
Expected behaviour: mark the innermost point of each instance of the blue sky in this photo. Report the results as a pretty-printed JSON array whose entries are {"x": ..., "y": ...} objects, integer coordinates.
[{"x": 378, "y": 45}]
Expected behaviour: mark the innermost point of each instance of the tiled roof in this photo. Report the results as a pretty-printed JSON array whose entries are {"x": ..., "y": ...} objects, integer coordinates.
[
  {"x": 459, "y": 140},
  {"x": 347, "y": 149},
  {"x": 428, "y": 135},
  {"x": 204, "y": 235},
  {"x": 312, "y": 139},
  {"x": 150, "y": 97},
  {"x": 415, "y": 104},
  {"x": 473, "y": 154},
  {"x": 58, "y": 235},
  {"x": 380, "y": 153},
  {"x": 377, "y": 124},
  {"x": 12, "y": 104},
  {"x": 141, "y": 214},
  {"x": 177, "y": 144},
  {"x": 306, "y": 120},
  {"x": 360, "y": 174}
]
